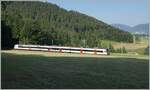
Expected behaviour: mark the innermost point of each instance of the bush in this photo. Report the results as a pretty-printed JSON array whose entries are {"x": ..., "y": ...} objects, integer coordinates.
[
  {"x": 124, "y": 50},
  {"x": 121, "y": 50},
  {"x": 111, "y": 48},
  {"x": 146, "y": 51},
  {"x": 118, "y": 50}
]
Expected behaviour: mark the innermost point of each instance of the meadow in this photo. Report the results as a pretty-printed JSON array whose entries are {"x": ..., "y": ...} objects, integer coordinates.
[
  {"x": 132, "y": 48},
  {"x": 23, "y": 69}
]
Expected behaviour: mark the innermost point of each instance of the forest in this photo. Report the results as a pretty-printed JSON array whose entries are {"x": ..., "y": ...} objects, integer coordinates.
[{"x": 43, "y": 23}]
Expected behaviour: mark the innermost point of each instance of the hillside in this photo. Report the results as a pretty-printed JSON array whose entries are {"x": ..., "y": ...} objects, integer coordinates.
[
  {"x": 31, "y": 22},
  {"x": 138, "y": 29}
]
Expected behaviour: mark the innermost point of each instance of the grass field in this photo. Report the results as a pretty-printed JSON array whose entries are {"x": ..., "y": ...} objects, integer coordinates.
[{"x": 53, "y": 70}]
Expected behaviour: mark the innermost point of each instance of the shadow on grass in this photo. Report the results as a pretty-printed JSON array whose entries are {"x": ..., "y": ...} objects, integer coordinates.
[{"x": 32, "y": 71}]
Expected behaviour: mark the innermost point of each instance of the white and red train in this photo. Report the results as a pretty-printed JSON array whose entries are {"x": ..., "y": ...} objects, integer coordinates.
[{"x": 62, "y": 49}]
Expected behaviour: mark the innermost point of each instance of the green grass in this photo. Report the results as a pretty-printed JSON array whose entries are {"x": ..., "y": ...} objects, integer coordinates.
[{"x": 32, "y": 71}]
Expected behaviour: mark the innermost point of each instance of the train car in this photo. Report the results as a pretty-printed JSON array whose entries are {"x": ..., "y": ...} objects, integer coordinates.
[{"x": 62, "y": 49}]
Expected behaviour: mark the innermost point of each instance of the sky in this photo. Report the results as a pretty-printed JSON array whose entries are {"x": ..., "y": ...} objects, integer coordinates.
[{"x": 128, "y": 12}]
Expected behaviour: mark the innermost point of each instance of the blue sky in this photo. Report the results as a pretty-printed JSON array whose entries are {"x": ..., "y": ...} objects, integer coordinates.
[{"x": 129, "y": 12}]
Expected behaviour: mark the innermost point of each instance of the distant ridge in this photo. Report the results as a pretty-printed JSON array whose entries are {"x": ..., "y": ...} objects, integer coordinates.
[{"x": 138, "y": 29}]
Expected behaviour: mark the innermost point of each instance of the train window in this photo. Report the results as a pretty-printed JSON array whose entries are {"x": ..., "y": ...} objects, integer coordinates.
[
  {"x": 20, "y": 46},
  {"x": 100, "y": 51},
  {"x": 75, "y": 49},
  {"x": 32, "y": 47},
  {"x": 65, "y": 48},
  {"x": 89, "y": 50},
  {"x": 55, "y": 48}
]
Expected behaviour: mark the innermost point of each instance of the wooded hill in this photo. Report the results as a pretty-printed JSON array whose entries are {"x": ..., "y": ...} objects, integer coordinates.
[{"x": 32, "y": 22}]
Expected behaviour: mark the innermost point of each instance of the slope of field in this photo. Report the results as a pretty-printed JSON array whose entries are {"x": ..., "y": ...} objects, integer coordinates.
[
  {"x": 135, "y": 48},
  {"x": 35, "y": 71}
]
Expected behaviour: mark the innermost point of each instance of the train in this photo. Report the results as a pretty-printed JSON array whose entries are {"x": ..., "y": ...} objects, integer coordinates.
[{"x": 62, "y": 49}]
